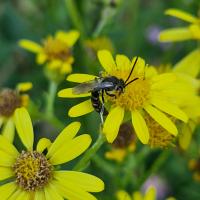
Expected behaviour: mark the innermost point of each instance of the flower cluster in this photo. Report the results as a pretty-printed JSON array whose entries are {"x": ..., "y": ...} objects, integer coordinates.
[{"x": 139, "y": 107}]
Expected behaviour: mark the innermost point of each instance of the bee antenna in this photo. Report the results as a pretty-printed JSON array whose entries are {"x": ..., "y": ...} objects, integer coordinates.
[
  {"x": 131, "y": 81},
  {"x": 131, "y": 70}
]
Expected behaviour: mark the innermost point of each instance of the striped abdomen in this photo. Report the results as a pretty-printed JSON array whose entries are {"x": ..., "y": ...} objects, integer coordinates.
[{"x": 96, "y": 102}]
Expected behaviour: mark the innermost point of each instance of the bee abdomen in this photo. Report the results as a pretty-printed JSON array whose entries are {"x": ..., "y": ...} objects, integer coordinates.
[{"x": 96, "y": 103}]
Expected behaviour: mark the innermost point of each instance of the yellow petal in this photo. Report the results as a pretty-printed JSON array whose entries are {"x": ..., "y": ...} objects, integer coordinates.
[
  {"x": 81, "y": 109},
  {"x": 175, "y": 35},
  {"x": 65, "y": 136},
  {"x": 66, "y": 68},
  {"x": 122, "y": 195},
  {"x": 41, "y": 58},
  {"x": 68, "y": 37},
  {"x": 190, "y": 64},
  {"x": 43, "y": 144},
  {"x": 182, "y": 15},
  {"x": 185, "y": 136},
  {"x": 72, "y": 192},
  {"x": 140, "y": 127},
  {"x": 39, "y": 195},
  {"x": 7, "y": 189},
  {"x": 9, "y": 130},
  {"x": 80, "y": 78},
  {"x": 106, "y": 60},
  {"x": 6, "y": 159},
  {"x": 195, "y": 30},
  {"x": 51, "y": 193},
  {"x": 7, "y": 147},
  {"x": 68, "y": 93},
  {"x": 24, "y": 127},
  {"x": 6, "y": 172},
  {"x": 23, "y": 87},
  {"x": 20, "y": 195},
  {"x": 116, "y": 154},
  {"x": 71, "y": 150},
  {"x": 150, "y": 194},
  {"x": 162, "y": 119},
  {"x": 112, "y": 123},
  {"x": 54, "y": 64},
  {"x": 123, "y": 63},
  {"x": 30, "y": 46},
  {"x": 82, "y": 180},
  {"x": 137, "y": 196},
  {"x": 163, "y": 80},
  {"x": 169, "y": 108}
]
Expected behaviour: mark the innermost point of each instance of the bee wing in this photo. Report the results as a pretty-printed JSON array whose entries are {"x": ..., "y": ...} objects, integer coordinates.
[
  {"x": 90, "y": 86},
  {"x": 85, "y": 87}
]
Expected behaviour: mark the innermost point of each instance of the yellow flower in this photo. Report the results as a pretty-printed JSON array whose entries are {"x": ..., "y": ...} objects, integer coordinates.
[
  {"x": 9, "y": 101},
  {"x": 99, "y": 43},
  {"x": 54, "y": 51},
  {"x": 149, "y": 195},
  {"x": 188, "y": 101},
  {"x": 124, "y": 143},
  {"x": 192, "y": 106},
  {"x": 145, "y": 96},
  {"x": 33, "y": 174},
  {"x": 191, "y": 31}
]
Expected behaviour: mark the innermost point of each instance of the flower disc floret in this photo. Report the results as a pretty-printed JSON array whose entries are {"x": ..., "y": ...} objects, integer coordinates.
[
  {"x": 9, "y": 101},
  {"x": 32, "y": 170}
]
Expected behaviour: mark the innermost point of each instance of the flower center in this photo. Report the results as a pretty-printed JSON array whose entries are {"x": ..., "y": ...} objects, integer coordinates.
[
  {"x": 56, "y": 49},
  {"x": 135, "y": 95},
  {"x": 9, "y": 101},
  {"x": 125, "y": 136},
  {"x": 32, "y": 170},
  {"x": 159, "y": 137}
]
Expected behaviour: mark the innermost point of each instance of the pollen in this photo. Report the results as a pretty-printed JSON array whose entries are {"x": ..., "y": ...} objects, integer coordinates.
[
  {"x": 32, "y": 170},
  {"x": 135, "y": 95},
  {"x": 9, "y": 101},
  {"x": 159, "y": 137},
  {"x": 56, "y": 49}
]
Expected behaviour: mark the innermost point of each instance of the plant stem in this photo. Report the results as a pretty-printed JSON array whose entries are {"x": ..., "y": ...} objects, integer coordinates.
[
  {"x": 75, "y": 16},
  {"x": 50, "y": 99},
  {"x": 106, "y": 15},
  {"x": 103, "y": 165},
  {"x": 155, "y": 167},
  {"x": 90, "y": 153},
  {"x": 134, "y": 160}
]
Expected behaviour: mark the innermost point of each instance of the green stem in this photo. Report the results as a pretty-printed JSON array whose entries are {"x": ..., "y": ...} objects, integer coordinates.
[
  {"x": 75, "y": 16},
  {"x": 155, "y": 167},
  {"x": 107, "y": 14},
  {"x": 90, "y": 153},
  {"x": 50, "y": 99},
  {"x": 103, "y": 165},
  {"x": 134, "y": 160}
]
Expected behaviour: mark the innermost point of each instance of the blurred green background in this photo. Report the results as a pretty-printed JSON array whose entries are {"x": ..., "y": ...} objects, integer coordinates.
[{"x": 132, "y": 26}]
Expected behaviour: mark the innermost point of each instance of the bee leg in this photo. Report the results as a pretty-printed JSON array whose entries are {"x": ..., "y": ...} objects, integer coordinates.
[
  {"x": 111, "y": 95},
  {"x": 102, "y": 107}
]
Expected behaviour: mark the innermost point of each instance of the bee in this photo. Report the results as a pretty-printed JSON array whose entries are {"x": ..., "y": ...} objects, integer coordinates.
[{"x": 101, "y": 86}]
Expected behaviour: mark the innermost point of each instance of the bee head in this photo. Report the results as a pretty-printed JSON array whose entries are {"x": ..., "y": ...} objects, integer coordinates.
[{"x": 120, "y": 86}]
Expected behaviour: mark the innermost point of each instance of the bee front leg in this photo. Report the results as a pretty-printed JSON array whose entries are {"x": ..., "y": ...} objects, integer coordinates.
[{"x": 111, "y": 95}]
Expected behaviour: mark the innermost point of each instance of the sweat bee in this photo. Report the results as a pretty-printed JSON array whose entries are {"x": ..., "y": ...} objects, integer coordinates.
[{"x": 101, "y": 86}]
